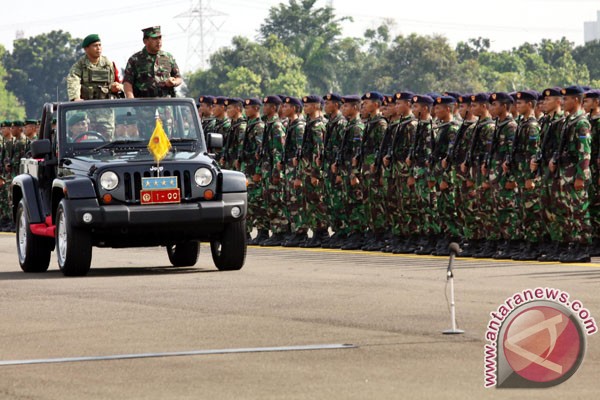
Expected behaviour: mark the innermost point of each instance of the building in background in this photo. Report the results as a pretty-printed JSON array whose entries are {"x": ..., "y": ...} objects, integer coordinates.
[{"x": 591, "y": 29}]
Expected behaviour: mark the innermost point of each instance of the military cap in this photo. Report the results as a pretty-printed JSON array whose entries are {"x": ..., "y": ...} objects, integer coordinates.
[
  {"x": 351, "y": 99},
  {"x": 77, "y": 117},
  {"x": 445, "y": 100},
  {"x": 527, "y": 95},
  {"x": 433, "y": 95},
  {"x": 586, "y": 88},
  {"x": 18, "y": 123},
  {"x": 500, "y": 96},
  {"x": 480, "y": 98},
  {"x": 404, "y": 96},
  {"x": 282, "y": 97},
  {"x": 376, "y": 96},
  {"x": 572, "y": 91},
  {"x": 272, "y": 100},
  {"x": 513, "y": 96},
  {"x": 311, "y": 99},
  {"x": 422, "y": 99},
  {"x": 31, "y": 121},
  {"x": 294, "y": 101},
  {"x": 152, "y": 32},
  {"x": 220, "y": 100},
  {"x": 206, "y": 99},
  {"x": 233, "y": 100},
  {"x": 4, "y": 124},
  {"x": 552, "y": 92},
  {"x": 452, "y": 94},
  {"x": 89, "y": 39},
  {"x": 464, "y": 99},
  {"x": 592, "y": 94},
  {"x": 332, "y": 97},
  {"x": 253, "y": 101}
]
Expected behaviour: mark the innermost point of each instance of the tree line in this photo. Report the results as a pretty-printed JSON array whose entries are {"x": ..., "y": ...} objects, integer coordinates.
[{"x": 300, "y": 50}]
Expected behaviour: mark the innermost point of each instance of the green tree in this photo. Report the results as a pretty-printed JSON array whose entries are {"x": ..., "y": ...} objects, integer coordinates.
[
  {"x": 309, "y": 33},
  {"x": 9, "y": 105},
  {"x": 37, "y": 68},
  {"x": 589, "y": 55}
]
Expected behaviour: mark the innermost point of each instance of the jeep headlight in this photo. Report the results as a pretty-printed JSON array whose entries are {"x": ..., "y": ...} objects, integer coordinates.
[
  {"x": 203, "y": 176},
  {"x": 109, "y": 180}
]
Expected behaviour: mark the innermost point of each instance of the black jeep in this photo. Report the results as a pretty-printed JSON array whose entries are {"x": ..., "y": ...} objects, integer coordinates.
[{"x": 92, "y": 180}]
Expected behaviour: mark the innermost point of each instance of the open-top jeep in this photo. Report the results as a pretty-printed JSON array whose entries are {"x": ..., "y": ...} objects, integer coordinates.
[{"x": 92, "y": 181}]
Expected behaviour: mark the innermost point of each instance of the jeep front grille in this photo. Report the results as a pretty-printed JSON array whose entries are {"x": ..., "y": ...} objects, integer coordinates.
[{"x": 133, "y": 183}]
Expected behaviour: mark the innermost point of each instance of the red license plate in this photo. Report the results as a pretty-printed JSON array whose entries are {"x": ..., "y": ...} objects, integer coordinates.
[{"x": 160, "y": 196}]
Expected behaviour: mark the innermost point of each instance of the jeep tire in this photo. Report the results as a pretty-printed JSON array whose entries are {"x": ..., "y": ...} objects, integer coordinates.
[
  {"x": 33, "y": 251},
  {"x": 73, "y": 246},
  {"x": 229, "y": 251},
  {"x": 183, "y": 254}
]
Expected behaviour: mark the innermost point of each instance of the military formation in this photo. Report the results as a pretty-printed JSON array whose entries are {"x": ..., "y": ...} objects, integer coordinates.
[{"x": 507, "y": 175}]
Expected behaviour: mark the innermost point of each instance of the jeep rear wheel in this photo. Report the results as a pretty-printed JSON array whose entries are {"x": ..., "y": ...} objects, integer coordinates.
[
  {"x": 73, "y": 246},
  {"x": 183, "y": 254},
  {"x": 229, "y": 251},
  {"x": 33, "y": 251}
]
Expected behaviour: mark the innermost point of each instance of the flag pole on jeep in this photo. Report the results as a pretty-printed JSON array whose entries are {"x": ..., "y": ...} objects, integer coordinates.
[{"x": 159, "y": 143}]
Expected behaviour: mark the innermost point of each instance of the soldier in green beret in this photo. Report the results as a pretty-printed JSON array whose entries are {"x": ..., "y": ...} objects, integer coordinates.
[{"x": 151, "y": 72}]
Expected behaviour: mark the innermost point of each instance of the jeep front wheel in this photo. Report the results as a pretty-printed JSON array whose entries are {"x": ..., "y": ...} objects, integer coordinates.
[
  {"x": 33, "y": 251},
  {"x": 229, "y": 251},
  {"x": 183, "y": 254},
  {"x": 73, "y": 246}
]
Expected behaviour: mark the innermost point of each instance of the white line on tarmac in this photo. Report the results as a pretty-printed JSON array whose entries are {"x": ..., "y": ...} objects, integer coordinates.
[{"x": 179, "y": 354}]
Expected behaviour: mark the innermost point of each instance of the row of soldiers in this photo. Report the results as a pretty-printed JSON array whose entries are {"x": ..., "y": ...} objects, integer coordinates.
[
  {"x": 508, "y": 175},
  {"x": 16, "y": 139}
]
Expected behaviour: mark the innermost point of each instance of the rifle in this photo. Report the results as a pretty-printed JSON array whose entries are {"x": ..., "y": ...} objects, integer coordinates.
[
  {"x": 432, "y": 145},
  {"x": 557, "y": 156},
  {"x": 540, "y": 157},
  {"x": 415, "y": 142},
  {"x": 490, "y": 155},
  {"x": 469, "y": 156},
  {"x": 459, "y": 135}
]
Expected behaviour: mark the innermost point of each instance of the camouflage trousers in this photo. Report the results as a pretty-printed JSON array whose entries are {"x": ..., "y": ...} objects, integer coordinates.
[
  {"x": 446, "y": 206},
  {"x": 426, "y": 207},
  {"x": 257, "y": 207},
  {"x": 374, "y": 201},
  {"x": 295, "y": 206},
  {"x": 487, "y": 220},
  {"x": 273, "y": 198},
  {"x": 314, "y": 214},
  {"x": 334, "y": 201},
  {"x": 505, "y": 210},
  {"x": 594, "y": 196},
  {"x": 5, "y": 206},
  {"x": 573, "y": 214},
  {"x": 550, "y": 188}
]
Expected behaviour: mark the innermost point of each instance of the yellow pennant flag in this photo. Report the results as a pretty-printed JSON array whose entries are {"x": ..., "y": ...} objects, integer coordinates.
[{"x": 159, "y": 143}]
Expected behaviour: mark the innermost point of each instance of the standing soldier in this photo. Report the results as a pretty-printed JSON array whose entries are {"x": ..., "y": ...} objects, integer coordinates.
[
  {"x": 591, "y": 104},
  {"x": 346, "y": 172},
  {"x": 525, "y": 148},
  {"x": 314, "y": 213},
  {"x": 6, "y": 170},
  {"x": 421, "y": 179},
  {"x": 502, "y": 186},
  {"x": 222, "y": 122},
  {"x": 334, "y": 191},
  {"x": 375, "y": 127},
  {"x": 446, "y": 205},
  {"x": 236, "y": 133},
  {"x": 550, "y": 129},
  {"x": 151, "y": 72},
  {"x": 479, "y": 201},
  {"x": 31, "y": 132},
  {"x": 249, "y": 164},
  {"x": 206, "y": 114},
  {"x": 395, "y": 176},
  {"x": 290, "y": 166},
  {"x": 570, "y": 166},
  {"x": 269, "y": 157}
]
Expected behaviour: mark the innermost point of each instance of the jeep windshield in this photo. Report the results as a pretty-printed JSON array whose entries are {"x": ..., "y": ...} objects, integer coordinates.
[{"x": 126, "y": 125}]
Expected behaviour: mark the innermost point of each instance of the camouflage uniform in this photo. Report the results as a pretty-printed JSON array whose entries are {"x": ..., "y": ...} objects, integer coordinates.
[
  {"x": 314, "y": 213},
  {"x": 458, "y": 150},
  {"x": 233, "y": 146},
  {"x": 147, "y": 73},
  {"x": 594, "y": 188},
  {"x": 333, "y": 192},
  {"x": 249, "y": 146},
  {"x": 294, "y": 196}
]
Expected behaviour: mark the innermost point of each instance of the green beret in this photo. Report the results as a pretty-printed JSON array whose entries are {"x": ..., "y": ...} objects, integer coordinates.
[
  {"x": 4, "y": 123},
  {"x": 77, "y": 117},
  {"x": 89, "y": 39},
  {"x": 153, "y": 32},
  {"x": 18, "y": 123},
  {"x": 31, "y": 121}
]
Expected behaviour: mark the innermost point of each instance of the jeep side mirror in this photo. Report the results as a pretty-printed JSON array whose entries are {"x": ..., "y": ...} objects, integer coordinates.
[
  {"x": 215, "y": 141},
  {"x": 41, "y": 148}
]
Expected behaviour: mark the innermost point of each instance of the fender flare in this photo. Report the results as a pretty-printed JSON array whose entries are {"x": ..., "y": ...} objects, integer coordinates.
[
  {"x": 75, "y": 188},
  {"x": 233, "y": 182},
  {"x": 26, "y": 187}
]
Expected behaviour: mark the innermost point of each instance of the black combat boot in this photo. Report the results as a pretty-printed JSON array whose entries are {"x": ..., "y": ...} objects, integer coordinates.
[
  {"x": 487, "y": 250},
  {"x": 441, "y": 249},
  {"x": 276, "y": 239},
  {"x": 428, "y": 247},
  {"x": 296, "y": 240},
  {"x": 575, "y": 253},
  {"x": 552, "y": 253},
  {"x": 353, "y": 242},
  {"x": 261, "y": 236}
]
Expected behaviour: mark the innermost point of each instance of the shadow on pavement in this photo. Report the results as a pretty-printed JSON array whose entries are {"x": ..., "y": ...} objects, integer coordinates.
[{"x": 103, "y": 272}]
